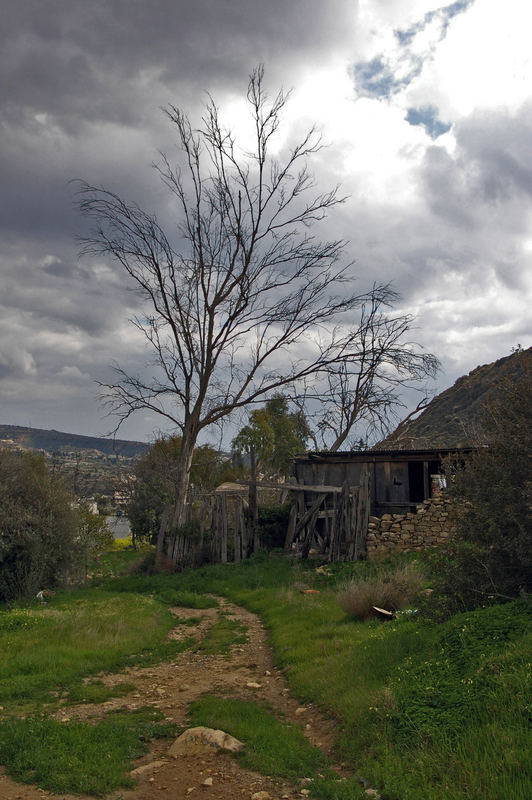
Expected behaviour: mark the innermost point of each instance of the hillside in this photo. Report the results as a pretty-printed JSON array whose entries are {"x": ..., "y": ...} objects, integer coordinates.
[
  {"x": 59, "y": 442},
  {"x": 452, "y": 418}
]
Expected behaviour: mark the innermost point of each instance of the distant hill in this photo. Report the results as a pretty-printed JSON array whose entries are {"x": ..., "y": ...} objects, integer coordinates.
[
  {"x": 59, "y": 442},
  {"x": 451, "y": 419}
]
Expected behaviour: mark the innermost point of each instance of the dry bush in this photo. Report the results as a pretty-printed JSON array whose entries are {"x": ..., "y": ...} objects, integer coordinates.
[{"x": 393, "y": 590}]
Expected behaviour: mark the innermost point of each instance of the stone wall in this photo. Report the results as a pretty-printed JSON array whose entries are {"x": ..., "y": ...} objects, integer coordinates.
[{"x": 431, "y": 525}]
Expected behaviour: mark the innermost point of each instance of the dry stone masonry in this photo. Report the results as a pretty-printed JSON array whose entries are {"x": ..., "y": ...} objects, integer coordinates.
[{"x": 429, "y": 526}]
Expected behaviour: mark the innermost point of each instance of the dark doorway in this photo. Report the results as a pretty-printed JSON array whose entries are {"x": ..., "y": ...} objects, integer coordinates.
[{"x": 415, "y": 481}]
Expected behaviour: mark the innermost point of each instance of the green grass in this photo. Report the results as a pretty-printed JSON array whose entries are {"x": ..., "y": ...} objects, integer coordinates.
[
  {"x": 272, "y": 747},
  {"x": 424, "y": 710},
  {"x": 224, "y": 634},
  {"x": 164, "y": 588},
  {"x": 97, "y": 692},
  {"x": 78, "y": 756},
  {"x": 52, "y": 648},
  {"x": 120, "y": 558}
]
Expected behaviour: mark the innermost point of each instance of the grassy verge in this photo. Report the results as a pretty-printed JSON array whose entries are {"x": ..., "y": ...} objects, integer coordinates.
[
  {"x": 78, "y": 757},
  {"x": 46, "y": 650}
]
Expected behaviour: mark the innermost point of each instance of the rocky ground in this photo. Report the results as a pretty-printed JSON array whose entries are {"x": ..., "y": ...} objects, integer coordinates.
[{"x": 247, "y": 672}]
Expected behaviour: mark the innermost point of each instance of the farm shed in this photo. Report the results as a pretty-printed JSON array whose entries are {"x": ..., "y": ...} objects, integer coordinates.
[{"x": 398, "y": 479}]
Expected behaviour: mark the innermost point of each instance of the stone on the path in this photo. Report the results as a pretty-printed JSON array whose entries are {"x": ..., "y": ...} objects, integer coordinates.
[
  {"x": 207, "y": 782},
  {"x": 202, "y": 740},
  {"x": 300, "y": 711},
  {"x": 253, "y": 685},
  {"x": 261, "y": 796},
  {"x": 147, "y": 767}
]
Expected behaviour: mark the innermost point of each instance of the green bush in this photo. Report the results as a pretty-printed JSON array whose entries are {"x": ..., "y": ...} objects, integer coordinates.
[
  {"x": 39, "y": 543},
  {"x": 490, "y": 559}
]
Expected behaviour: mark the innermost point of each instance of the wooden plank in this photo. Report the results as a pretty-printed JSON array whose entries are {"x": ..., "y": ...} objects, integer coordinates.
[
  {"x": 309, "y": 519},
  {"x": 253, "y": 508},
  {"x": 307, "y": 516},
  {"x": 291, "y": 531},
  {"x": 223, "y": 544},
  {"x": 237, "y": 532},
  {"x": 295, "y": 487}
]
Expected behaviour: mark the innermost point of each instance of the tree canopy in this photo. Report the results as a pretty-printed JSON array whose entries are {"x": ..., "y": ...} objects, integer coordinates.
[
  {"x": 275, "y": 434},
  {"x": 157, "y": 476},
  {"x": 45, "y": 539}
]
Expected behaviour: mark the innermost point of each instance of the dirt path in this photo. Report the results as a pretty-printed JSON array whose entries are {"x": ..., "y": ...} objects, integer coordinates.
[{"x": 171, "y": 687}]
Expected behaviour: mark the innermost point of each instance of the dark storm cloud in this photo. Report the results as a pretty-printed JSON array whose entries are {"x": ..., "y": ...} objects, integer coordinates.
[
  {"x": 94, "y": 60},
  {"x": 81, "y": 91},
  {"x": 489, "y": 175}
]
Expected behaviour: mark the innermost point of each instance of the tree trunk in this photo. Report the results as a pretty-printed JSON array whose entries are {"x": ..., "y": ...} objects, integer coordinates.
[{"x": 180, "y": 501}]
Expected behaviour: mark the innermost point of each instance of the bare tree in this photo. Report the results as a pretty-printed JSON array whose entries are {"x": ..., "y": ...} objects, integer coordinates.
[
  {"x": 243, "y": 298},
  {"x": 364, "y": 393}
]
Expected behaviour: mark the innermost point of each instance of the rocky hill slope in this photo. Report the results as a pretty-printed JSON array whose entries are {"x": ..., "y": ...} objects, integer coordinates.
[{"x": 452, "y": 417}]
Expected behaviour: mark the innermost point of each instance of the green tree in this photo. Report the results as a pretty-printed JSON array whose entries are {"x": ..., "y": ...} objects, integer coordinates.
[
  {"x": 39, "y": 531},
  {"x": 276, "y": 435},
  {"x": 94, "y": 535},
  {"x": 157, "y": 479},
  {"x": 491, "y": 556}
]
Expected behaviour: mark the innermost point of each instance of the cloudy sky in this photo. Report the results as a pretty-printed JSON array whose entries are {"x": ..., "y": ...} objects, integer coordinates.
[{"x": 427, "y": 112}]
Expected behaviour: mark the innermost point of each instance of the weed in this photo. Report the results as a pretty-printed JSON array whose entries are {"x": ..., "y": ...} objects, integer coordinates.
[
  {"x": 78, "y": 634},
  {"x": 390, "y": 589}
]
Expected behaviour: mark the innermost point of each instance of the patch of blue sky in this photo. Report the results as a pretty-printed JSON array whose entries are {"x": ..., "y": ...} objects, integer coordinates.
[
  {"x": 375, "y": 78},
  {"x": 427, "y": 116},
  {"x": 445, "y": 13}
]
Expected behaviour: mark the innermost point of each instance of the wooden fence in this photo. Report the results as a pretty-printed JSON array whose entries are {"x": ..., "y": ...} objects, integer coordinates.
[{"x": 332, "y": 520}]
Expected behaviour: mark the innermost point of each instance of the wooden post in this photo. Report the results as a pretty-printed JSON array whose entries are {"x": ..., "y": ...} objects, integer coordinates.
[
  {"x": 333, "y": 528},
  {"x": 309, "y": 521},
  {"x": 363, "y": 508},
  {"x": 239, "y": 518},
  {"x": 351, "y": 540},
  {"x": 223, "y": 543},
  {"x": 253, "y": 508},
  {"x": 290, "y": 533}
]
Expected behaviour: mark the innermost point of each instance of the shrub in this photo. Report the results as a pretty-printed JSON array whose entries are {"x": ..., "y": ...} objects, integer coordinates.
[
  {"x": 40, "y": 545},
  {"x": 391, "y": 589},
  {"x": 490, "y": 558}
]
